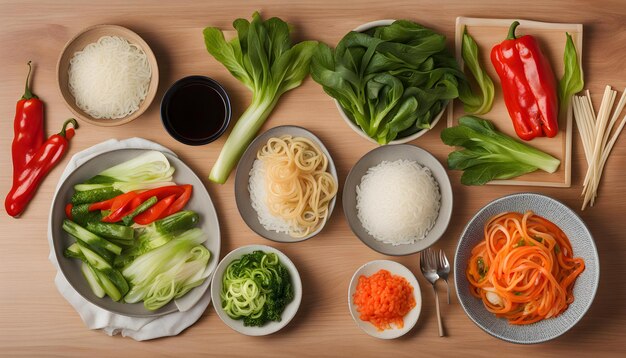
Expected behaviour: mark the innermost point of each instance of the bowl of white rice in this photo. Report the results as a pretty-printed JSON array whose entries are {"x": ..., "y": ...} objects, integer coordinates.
[
  {"x": 107, "y": 75},
  {"x": 398, "y": 199}
]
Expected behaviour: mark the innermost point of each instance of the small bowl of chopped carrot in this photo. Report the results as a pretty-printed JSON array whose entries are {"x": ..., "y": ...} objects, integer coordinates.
[{"x": 384, "y": 299}]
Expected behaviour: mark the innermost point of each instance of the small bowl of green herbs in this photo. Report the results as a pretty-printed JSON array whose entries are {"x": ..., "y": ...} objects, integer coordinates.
[
  {"x": 256, "y": 290},
  {"x": 391, "y": 79}
]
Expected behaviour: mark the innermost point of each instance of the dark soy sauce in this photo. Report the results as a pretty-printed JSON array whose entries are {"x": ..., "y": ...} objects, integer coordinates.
[{"x": 196, "y": 112}]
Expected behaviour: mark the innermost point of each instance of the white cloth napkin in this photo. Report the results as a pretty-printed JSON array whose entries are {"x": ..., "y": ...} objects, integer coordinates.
[{"x": 95, "y": 317}]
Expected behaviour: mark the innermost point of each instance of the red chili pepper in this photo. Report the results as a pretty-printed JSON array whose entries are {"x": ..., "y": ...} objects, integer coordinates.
[
  {"x": 528, "y": 85},
  {"x": 155, "y": 212},
  {"x": 180, "y": 203},
  {"x": 28, "y": 129},
  {"x": 46, "y": 157},
  {"x": 68, "y": 210},
  {"x": 120, "y": 207}
]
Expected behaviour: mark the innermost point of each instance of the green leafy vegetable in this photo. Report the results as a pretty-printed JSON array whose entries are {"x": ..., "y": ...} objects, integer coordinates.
[
  {"x": 264, "y": 60},
  {"x": 489, "y": 154},
  {"x": 572, "y": 81},
  {"x": 392, "y": 80},
  {"x": 146, "y": 171},
  {"x": 256, "y": 288},
  {"x": 475, "y": 103}
]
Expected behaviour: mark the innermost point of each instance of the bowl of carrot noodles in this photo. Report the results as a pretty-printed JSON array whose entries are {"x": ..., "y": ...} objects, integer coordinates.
[{"x": 526, "y": 268}]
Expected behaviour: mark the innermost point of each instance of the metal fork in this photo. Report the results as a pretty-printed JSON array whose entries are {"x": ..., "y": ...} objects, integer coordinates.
[
  {"x": 443, "y": 269},
  {"x": 428, "y": 265}
]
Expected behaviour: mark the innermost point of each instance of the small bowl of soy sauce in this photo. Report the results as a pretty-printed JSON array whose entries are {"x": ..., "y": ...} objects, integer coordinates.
[{"x": 195, "y": 110}]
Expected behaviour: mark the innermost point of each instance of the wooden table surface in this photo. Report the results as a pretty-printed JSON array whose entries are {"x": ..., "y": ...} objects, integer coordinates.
[{"x": 35, "y": 319}]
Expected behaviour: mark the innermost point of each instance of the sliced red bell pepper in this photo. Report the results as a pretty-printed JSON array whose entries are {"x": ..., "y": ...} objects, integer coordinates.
[
  {"x": 181, "y": 201},
  {"x": 120, "y": 207},
  {"x": 155, "y": 212},
  {"x": 102, "y": 205},
  {"x": 68, "y": 211},
  {"x": 161, "y": 193}
]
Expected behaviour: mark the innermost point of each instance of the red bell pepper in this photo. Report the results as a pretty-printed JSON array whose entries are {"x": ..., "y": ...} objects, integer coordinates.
[
  {"x": 160, "y": 193},
  {"x": 28, "y": 129},
  {"x": 102, "y": 205},
  {"x": 528, "y": 85},
  {"x": 46, "y": 157},
  {"x": 68, "y": 210},
  {"x": 171, "y": 198},
  {"x": 156, "y": 212},
  {"x": 181, "y": 201},
  {"x": 120, "y": 207}
]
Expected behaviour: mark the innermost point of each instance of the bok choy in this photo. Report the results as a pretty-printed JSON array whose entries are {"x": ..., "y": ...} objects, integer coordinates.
[
  {"x": 169, "y": 271},
  {"x": 490, "y": 154},
  {"x": 146, "y": 171},
  {"x": 157, "y": 234},
  {"x": 263, "y": 58}
]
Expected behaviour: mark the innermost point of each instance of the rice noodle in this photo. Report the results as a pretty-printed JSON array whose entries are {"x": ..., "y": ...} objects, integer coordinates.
[{"x": 109, "y": 78}]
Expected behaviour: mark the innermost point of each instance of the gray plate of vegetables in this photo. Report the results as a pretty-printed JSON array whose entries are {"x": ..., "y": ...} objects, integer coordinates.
[
  {"x": 256, "y": 290},
  {"x": 153, "y": 269}
]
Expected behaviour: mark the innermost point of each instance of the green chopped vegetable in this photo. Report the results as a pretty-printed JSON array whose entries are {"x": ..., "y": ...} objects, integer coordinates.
[
  {"x": 100, "y": 272},
  {"x": 114, "y": 232},
  {"x": 475, "y": 103},
  {"x": 572, "y": 81},
  {"x": 82, "y": 216},
  {"x": 168, "y": 271},
  {"x": 89, "y": 238},
  {"x": 146, "y": 171},
  {"x": 157, "y": 234},
  {"x": 489, "y": 154},
  {"x": 256, "y": 288},
  {"x": 94, "y": 196},
  {"x": 391, "y": 81},
  {"x": 92, "y": 279},
  {"x": 263, "y": 58},
  {"x": 160, "y": 266}
]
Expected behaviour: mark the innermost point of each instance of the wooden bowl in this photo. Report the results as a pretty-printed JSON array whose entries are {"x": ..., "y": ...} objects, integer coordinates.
[{"x": 91, "y": 35}]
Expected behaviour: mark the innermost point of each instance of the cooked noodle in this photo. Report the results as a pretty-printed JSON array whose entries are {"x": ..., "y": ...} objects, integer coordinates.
[
  {"x": 524, "y": 270},
  {"x": 299, "y": 187}
]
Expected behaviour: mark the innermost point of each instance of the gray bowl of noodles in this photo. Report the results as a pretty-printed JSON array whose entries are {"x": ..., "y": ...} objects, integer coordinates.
[
  {"x": 397, "y": 199},
  {"x": 286, "y": 184}
]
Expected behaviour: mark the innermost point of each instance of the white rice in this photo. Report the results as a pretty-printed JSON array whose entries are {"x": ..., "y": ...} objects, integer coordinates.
[
  {"x": 398, "y": 202},
  {"x": 258, "y": 197}
]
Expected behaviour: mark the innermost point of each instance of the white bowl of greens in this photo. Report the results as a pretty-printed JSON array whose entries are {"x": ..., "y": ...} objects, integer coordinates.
[
  {"x": 398, "y": 89},
  {"x": 235, "y": 296}
]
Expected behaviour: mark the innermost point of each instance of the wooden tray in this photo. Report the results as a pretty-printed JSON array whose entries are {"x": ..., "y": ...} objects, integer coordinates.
[{"x": 551, "y": 36}]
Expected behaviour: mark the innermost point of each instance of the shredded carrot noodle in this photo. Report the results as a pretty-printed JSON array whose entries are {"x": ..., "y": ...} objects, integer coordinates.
[
  {"x": 383, "y": 299},
  {"x": 524, "y": 270}
]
